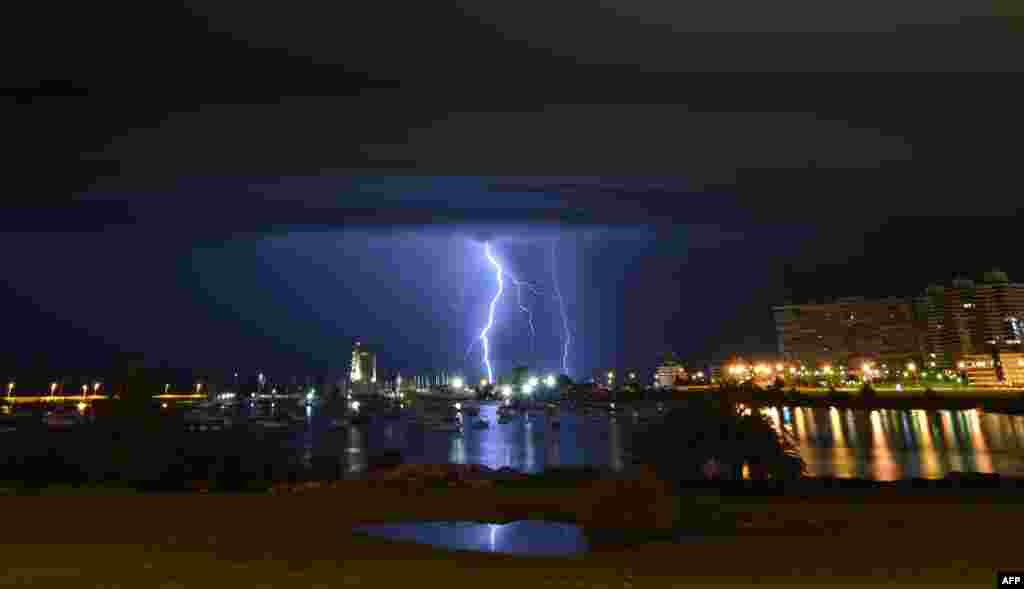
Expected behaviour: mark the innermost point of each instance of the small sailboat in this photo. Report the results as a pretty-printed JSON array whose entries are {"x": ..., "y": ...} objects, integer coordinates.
[
  {"x": 447, "y": 427},
  {"x": 60, "y": 420},
  {"x": 359, "y": 419}
]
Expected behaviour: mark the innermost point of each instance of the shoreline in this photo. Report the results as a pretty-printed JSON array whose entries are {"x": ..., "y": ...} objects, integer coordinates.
[{"x": 1009, "y": 403}]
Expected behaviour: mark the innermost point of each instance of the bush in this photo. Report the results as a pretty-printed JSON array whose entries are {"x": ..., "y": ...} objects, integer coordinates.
[
  {"x": 841, "y": 395},
  {"x": 681, "y": 446},
  {"x": 867, "y": 392}
]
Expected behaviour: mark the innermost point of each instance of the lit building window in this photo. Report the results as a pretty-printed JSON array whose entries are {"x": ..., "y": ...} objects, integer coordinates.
[{"x": 1014, "y": 328}]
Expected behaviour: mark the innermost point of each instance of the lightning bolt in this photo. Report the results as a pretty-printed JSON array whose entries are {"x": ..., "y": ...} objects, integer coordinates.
[
  {"x": 561, "y": 307},
  {"x": 529, "y": 314},
  {"x": 490, "y": 317}
]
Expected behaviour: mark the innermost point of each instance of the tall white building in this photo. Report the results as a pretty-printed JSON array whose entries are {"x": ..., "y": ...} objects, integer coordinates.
[{"x": 364, "y": 366}]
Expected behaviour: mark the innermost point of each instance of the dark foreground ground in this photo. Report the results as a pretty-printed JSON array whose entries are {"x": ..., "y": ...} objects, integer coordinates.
[{"x": 305, "y": 540}]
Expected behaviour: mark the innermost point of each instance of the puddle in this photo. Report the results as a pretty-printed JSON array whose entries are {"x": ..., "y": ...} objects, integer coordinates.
[{"x": 525, "y": 538}]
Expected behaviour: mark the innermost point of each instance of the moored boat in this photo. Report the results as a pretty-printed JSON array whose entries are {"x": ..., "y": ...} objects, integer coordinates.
[{"x": 447, "y": 427}]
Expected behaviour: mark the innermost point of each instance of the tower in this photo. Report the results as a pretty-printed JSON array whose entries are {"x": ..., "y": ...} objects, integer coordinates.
[
  {"x": 364, "y": 367},
  {"x": 356, "y": 373}
]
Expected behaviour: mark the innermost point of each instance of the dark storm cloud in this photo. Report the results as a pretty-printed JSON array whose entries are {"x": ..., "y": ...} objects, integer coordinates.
[
  {"x": 302, "y": 136},
  {"x": 639, "y": 140},
  {"x": 749, "y": 36},
  {"x": 733, "y": 35},
  {"x": 689, "y": 151}
]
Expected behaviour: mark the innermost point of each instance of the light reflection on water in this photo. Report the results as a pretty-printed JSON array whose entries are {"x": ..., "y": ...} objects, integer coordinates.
[
  {"x": 527, "y": 537},
  {"x": 887, "y": 444},
  {"x": 882, "y": 444}
]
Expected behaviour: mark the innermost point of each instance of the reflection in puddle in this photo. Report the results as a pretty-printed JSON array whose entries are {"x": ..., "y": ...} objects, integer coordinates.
[{"x": 527, "y": 537}]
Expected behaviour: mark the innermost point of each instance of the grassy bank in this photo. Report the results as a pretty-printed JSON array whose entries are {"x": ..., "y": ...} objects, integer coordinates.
[{"x": 305, "y": 540}]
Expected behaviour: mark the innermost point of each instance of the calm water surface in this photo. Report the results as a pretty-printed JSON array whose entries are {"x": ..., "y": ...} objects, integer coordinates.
[
  {"x": 881, "y": 444},
  {"x": 889, "y": 444}
]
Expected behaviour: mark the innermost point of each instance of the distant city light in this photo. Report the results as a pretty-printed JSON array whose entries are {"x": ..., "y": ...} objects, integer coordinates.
[
  {"x": 457, "y": 383},
  {"x": 550, "y": 380},
  {"x": 533, "y": 381},
  {"x": 506, "y": 390}
]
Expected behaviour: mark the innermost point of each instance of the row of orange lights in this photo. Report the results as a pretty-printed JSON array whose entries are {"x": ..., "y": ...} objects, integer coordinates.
[
  {"x": 95, "y": 388},
  {"x": 739, "y": 369}
]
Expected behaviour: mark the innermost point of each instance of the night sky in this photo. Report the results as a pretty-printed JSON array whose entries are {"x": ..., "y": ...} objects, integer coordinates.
[{"x": 219, "y": 186}]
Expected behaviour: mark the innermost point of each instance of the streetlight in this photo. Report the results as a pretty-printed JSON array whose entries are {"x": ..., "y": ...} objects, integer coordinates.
[
  {"x": 96, "y": 388},
  {"x": 53, "y": 387},
  {"x": 457, "y": 383},
  {"x": 10, "y": 389}
]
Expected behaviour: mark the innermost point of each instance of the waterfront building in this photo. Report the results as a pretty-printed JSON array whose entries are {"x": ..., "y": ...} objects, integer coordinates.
[
  {"x": 968, "y": 318},
  {"x": 668, "y": 375},
  {"x": 887, "y": 330},
  {"x": 992, "y": 370},
  {"x": 955, "y": 326}
]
